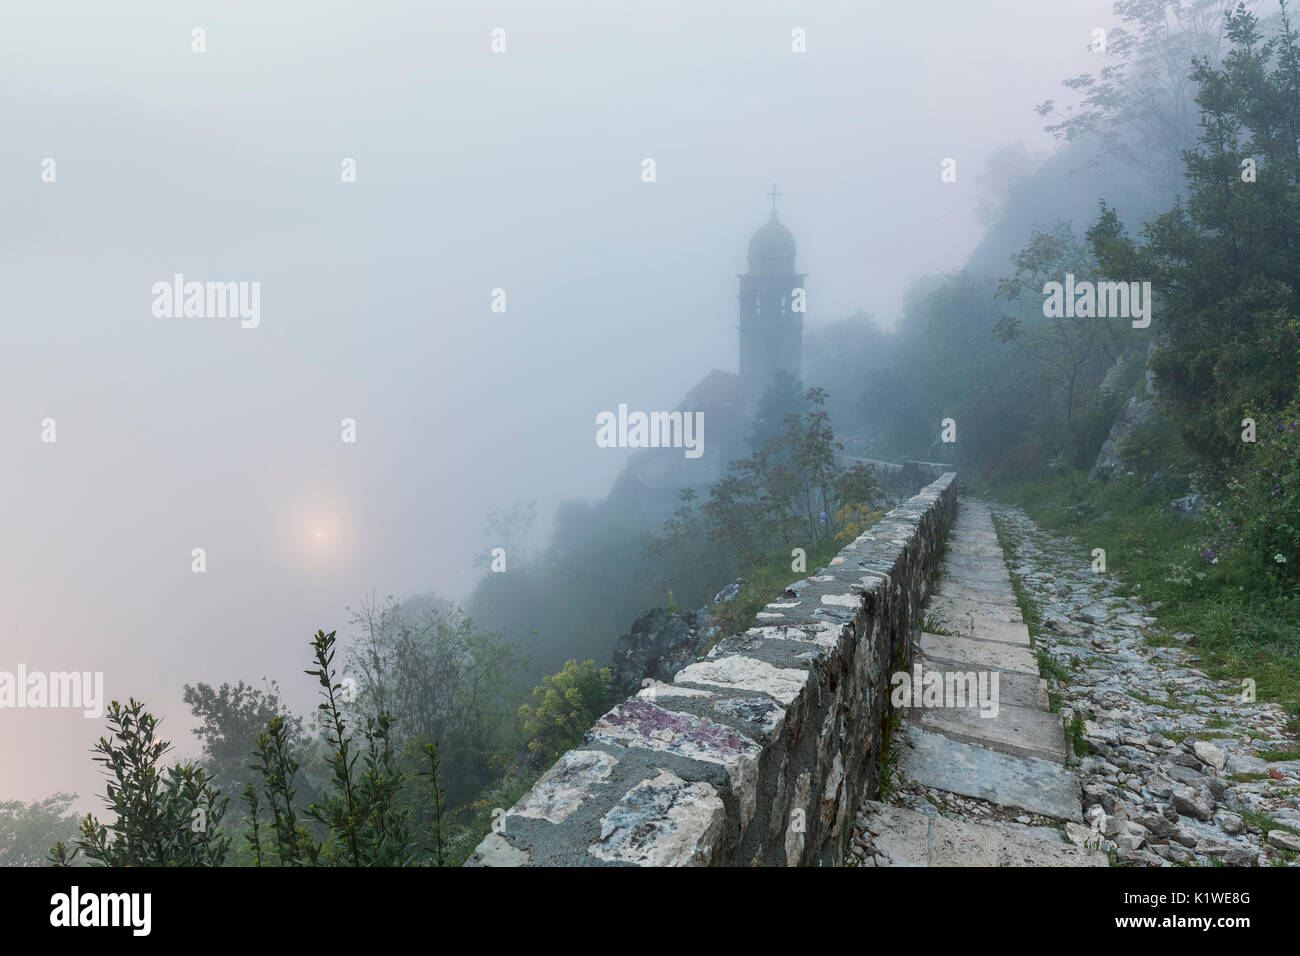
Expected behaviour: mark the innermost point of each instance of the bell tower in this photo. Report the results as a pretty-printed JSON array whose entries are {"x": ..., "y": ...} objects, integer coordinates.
[{"x": 771, "y": 331}]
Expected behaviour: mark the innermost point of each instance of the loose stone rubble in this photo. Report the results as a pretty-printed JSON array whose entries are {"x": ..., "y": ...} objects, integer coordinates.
[{"x": 1172, "y": 758}]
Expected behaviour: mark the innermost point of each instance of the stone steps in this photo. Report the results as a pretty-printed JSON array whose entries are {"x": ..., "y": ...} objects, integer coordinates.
[
  {"x": 977, "y": 593},
  {"x": 984, "y": 629},
  {"x": 978, "y": 652},
  {"x": 1029, "y": 784},
  {"x": 1021, "y": 688},
  {"x": 1006, "y": 751},
  {"x": 1019, "y": 731}
]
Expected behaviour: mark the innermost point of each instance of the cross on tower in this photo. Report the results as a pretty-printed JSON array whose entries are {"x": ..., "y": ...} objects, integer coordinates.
[{"x": 774, "y": 193}]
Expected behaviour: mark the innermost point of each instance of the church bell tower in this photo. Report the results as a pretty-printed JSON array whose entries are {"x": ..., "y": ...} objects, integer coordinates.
[{"x": 771, "y": 331}]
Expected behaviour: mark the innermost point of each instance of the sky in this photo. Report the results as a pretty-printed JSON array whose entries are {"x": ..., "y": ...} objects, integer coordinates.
[{"x": 476, "y": 170}]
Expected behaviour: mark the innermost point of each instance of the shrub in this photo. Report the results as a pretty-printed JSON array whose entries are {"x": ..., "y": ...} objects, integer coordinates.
[
  {"x": 564, "y": 706},
  {"x": 1264, "y": 497}
]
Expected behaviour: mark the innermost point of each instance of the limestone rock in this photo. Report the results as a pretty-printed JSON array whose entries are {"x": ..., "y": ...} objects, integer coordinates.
[
  {"x": 1207, "y": 753},
  {"x": 1231, "y": 823},
  {"x": 1193, "y": 803},
  {"x": 1284, "y": 840},
  {"x": 660, "y": 643}
]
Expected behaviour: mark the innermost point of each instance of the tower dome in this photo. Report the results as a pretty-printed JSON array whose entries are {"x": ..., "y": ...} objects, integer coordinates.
[{"x": 771, "y": 250}]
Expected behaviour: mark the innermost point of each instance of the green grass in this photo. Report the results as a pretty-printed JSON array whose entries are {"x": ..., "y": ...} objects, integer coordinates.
[
  {"x": 889, "y": 753},
  {"x": 1047, "y": 667},
  {"x": 1245, "y": 627},
  {"x": 932, "y": 626},
  {"x": 1264, "y": 822},
  {"x": 1275, "y": 755},
  {"x": 1074, "y": 735},
  {"x": 1031, "y": 611}
]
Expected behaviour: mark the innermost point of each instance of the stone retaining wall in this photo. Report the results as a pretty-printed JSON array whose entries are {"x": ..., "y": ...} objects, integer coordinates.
[{"x": 759, "y": 754}]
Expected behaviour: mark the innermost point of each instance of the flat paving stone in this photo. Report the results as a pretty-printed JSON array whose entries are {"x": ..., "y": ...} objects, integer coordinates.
[
  {"x": 979, "y": 553},
  {"x": 910, "y": 838},
  {"x": 981, "y": 629},
  {"x": 975, "y": 571},
  {"x": 1022, "y": 731},
  {"x": 960, "y": 608},
  {"x": 979, "y": 593},
  {"x": 975, "y": 546},
  {"x": 1023, "y": 783},
  {"x": 984, "y": 655},
  {"x": 1015, "y": 687}
]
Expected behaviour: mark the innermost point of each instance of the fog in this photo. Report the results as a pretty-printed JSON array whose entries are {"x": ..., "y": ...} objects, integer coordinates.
[{"x": 475, "y": 171}]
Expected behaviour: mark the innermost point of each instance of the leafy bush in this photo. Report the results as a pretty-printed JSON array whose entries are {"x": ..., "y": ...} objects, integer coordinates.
[
  {"x": 1265, "y": 497},
  {"x": 564, "y": 706},
  {"x": 162, "y": 818}
]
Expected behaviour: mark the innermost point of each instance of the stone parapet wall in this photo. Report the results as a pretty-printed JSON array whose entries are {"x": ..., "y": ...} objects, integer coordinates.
[
  {"x": 908, "y": 477},
  {"x": 759, "y": 754},
  {"x": 918, "y": 474}
]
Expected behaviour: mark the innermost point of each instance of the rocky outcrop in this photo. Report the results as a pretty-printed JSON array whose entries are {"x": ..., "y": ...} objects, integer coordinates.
[
  {"x": 761, "y": 753},
  {"x": 662, "y": 642},
  {"x": 1109, "y": 463}
]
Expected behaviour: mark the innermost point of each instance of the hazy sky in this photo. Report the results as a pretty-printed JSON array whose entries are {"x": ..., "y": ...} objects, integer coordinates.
[{"x": 519, "y": 170}]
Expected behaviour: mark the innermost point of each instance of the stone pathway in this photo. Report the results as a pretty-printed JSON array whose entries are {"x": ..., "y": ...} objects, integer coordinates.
[{"x": 983, "y": 782}]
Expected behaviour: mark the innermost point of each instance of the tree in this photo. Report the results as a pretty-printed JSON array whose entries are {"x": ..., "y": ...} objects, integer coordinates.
[
  {"x": 836, "y": 356},
  {"x": 28, "y": 830},
  {"x": 440, "y": 679},
  {"x": 1227, "y": 260},
  {"x": 510, "y": 529},
  {"x": 946, "y": 362},
  {"x": 295, "y": 845},
  {"x": 1140, "y": 107},
  {"x": 792, "y": 490},
  {"x": 783, "y": 397},
  {"x": 1076, "y": 351},
  {"x": 232, "y": 716}
]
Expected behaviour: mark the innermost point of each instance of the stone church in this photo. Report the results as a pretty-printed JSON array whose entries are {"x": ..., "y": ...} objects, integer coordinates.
[{"x": 771, "y": 340}]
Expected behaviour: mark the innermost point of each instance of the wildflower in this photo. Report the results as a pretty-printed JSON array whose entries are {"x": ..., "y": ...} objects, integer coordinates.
[{"x": 1280, "y": 558}]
